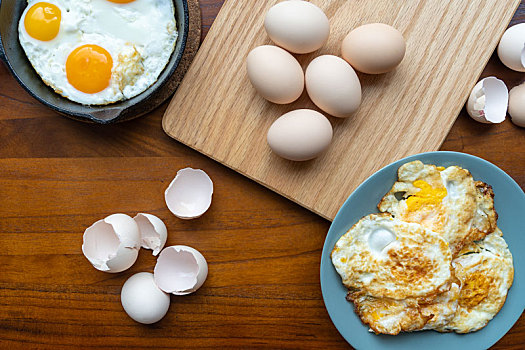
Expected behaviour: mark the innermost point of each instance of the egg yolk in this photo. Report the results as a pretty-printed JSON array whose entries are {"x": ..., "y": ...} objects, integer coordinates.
[
  {"x": 88, "y": 68},
  {"x": 428, "y": 195},
  {"x": 42, "y": 21},
  {"x": 121, "y": 1}
]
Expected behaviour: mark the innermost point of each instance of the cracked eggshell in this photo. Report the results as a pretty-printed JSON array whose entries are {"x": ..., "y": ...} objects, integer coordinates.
[
  {"x": 180, "y": 270},
  {"x": 517, "y": 105},
  {"x": 511, "y": 48},
  {"x": 153, "y": 232},
  {"x": 143, "y": 300},
  {"x": 189, "y": 194},
  {"x": 488, "y": 101},
  {"x": 112, "y": 244}
]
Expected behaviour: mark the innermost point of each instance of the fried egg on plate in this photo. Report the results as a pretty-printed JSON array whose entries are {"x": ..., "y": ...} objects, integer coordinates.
[
  {"x": 391, "y": 316},
  {"x": 97, "y": 52},
  {"x": 385, "y": 257},
  {"x": 485, "y": 269},
  {"x": 447, "y": 201}
]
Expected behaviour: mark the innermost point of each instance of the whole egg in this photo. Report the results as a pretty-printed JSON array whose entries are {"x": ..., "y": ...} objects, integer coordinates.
[{"x": 333, "y": 86}]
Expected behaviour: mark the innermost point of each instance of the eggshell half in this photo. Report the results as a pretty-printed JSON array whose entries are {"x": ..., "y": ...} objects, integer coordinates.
[
  {"x": 300, "y": 135},
  {"x": 153, "y": 232},
  {"x": 511, "y": 48},
  {"x": 189, "y": 194},
  {"x": 297, "y": 26},
  {"x": 275, "y": 74},
  {"x": 517, "y": 105},
  {"x": 333, "y": 86},
  {"x": 112, "y": 244},
  {"x": 180, "y": 270},
  {"x": 488, "y": 101},
  {"x": 143, "y": 300}
]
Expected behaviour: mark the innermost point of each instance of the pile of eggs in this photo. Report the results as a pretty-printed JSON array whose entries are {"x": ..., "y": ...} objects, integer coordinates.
[
  {"x": 332, "y": 84},
  {"x": 100, "y": 51},
  {"x": 113, "y": 243},
  {"x": 490, "y": 99}
]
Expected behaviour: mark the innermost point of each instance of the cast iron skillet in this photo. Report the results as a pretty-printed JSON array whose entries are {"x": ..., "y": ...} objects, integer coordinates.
[{"x": 13, "y": 55}]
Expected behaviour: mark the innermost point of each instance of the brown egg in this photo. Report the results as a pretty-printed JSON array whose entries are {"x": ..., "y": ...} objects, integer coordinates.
[
  {"x": 275, "y": 74},
  {"x": 374, "y": 48},
  {"x": 517, "y": 105},
  {"x": 333, "y": 86}
]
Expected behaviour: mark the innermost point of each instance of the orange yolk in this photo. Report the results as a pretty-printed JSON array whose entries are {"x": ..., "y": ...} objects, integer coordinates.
[
  {"x": 428, "y": 195},
  {"x": 42, "y": 21},
  {"x": 88, "y": 68},
  {"x": 121, "y": 1}
]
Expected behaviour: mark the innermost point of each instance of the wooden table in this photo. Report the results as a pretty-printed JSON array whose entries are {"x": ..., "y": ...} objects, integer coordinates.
[{"x": 58, "y": 176}]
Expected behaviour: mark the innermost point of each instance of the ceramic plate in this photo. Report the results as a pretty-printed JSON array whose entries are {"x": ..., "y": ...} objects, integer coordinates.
[{"x": 510, "y": 205}]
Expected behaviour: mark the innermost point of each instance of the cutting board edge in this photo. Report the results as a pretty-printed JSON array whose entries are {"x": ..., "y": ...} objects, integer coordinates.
[{"x": 324, "y": 216}]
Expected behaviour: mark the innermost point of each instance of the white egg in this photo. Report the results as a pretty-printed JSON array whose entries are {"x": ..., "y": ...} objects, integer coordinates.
[
  {"x": 333, "y": 86},
  {"x": 189, "y": 195},
  {"x": 135, "y": 48},
  {"x": 180, "y": 270},
  {"x": 112, "y": 244},
  {"x": 297, "y": 26},
  {"x": 488, "y": 101},
  {"x": 511, "y": 48},
  {"x": 153, "y": 232},
  {"x": 517, "y": 105},
  {"x": 300, "y": 135},
  {"x": 143, "y": 300}
]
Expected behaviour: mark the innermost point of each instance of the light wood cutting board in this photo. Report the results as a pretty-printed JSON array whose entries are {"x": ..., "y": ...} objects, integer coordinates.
[{"x": 410, "y": 110}]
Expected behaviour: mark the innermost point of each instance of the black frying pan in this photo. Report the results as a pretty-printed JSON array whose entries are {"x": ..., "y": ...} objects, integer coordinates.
[{"x": 13, "y": 55}]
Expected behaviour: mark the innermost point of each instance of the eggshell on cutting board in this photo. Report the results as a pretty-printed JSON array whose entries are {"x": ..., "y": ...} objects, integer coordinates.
[
  {"x": 300, "y": 135},
  {"x": 275, "y": 74},
  {"x": 297, "y": 26},
  {"x": 374, "y": 48},
  {"x": 333, "y": 86}
]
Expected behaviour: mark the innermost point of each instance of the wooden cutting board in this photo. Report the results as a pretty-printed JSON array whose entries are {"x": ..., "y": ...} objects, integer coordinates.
[{"x": 410, "y": 110}]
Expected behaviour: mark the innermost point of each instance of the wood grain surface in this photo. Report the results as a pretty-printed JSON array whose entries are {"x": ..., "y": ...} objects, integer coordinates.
[
  {"x": 407, "y": 111},
  {"x": 58, "y": 176}
]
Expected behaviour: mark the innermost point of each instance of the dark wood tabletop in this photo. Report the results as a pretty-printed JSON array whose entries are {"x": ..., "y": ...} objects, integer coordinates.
[{"x": 58, "y": 176}]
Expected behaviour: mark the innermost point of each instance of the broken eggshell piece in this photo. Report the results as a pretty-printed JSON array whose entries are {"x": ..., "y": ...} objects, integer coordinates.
[
  {"x": 488, "y": 101},
  {"x": 180, "y": 270},
  {"x": 153, "y": 232},
  {"x": 189, "y": 194},
  {"x": 112, "y": 244}
]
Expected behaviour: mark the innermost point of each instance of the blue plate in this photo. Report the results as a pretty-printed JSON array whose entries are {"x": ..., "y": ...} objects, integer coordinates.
[{"x": 509, "y": 202}]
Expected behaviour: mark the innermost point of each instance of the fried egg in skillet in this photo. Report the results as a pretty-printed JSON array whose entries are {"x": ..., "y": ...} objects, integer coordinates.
[
  {"x": 96, "y": 52},
  {"x": 447, "y": 201}
]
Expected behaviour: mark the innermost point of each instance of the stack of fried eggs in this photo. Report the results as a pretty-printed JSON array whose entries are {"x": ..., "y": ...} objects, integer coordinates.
[
  {"x": 432, "y": 259},
  {"x": 97, "y": 52}
]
